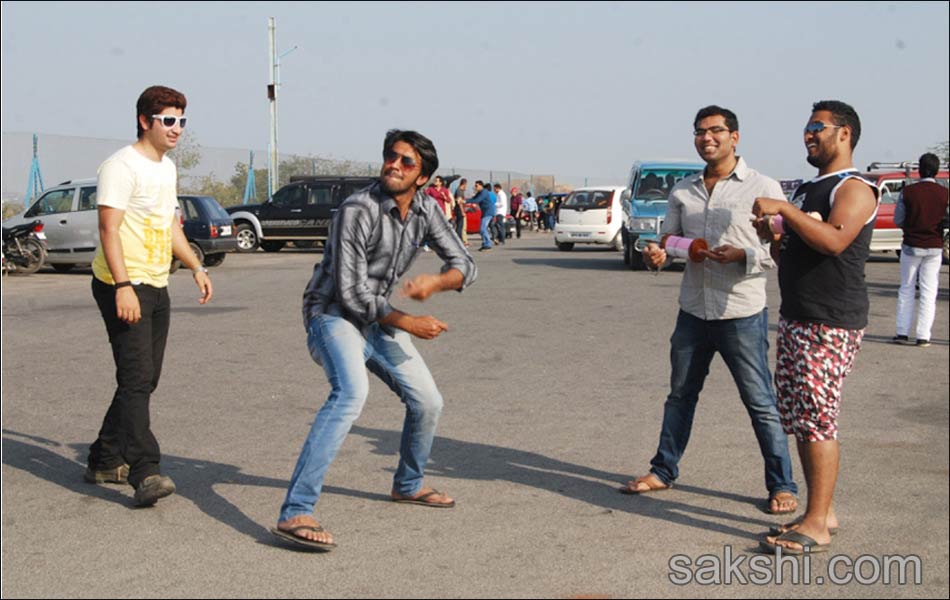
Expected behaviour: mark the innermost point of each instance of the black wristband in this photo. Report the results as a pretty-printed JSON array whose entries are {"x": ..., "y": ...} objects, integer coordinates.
[{"x": 122, "y": 284}]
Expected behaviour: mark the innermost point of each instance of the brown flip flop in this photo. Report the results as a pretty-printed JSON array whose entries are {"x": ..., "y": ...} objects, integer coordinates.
[
  {"x": 630, "y": 491},
  {"x": 422, "y": 500}
]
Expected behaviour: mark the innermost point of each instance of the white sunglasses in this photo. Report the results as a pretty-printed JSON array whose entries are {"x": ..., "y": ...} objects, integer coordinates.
[{"x": 169, "y": 121}]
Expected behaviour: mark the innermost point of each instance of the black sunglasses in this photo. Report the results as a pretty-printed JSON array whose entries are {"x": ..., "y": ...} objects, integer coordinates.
[{"x": 392, "y": 156}]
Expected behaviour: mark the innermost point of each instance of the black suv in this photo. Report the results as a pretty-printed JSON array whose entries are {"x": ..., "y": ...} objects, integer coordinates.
[
  {"x": 300, "y": 212},
  {"x": 209, "y": 229}
]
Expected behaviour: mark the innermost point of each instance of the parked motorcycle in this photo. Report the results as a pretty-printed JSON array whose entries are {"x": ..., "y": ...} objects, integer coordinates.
[{"x": 24, "y": 248}]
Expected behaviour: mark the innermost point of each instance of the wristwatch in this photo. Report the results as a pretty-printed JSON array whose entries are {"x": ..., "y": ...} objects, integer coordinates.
[{"x": 199, "y": 269}]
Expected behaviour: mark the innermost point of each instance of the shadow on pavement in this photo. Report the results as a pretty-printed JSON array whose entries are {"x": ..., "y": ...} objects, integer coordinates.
[
  {"x": 196, "y": 481},
  {"x": 472, "y": 461}
]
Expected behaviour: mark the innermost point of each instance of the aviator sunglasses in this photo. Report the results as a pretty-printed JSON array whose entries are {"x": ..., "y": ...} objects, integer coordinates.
[
  {"x": 391, "y": 156},
  {"x": 819, "y": 126}
]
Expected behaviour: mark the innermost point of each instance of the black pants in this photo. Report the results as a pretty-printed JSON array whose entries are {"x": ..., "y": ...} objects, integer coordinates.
[{"x": 138, "y": 351}]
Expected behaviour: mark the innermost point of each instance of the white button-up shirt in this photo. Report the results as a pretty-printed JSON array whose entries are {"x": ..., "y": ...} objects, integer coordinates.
[{"x": 710, "y": 290}]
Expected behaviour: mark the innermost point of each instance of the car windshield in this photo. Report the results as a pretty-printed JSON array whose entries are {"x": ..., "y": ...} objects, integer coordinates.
[
  {"x": 587, "y": 199},
  {"x": 655, "y": 184}
]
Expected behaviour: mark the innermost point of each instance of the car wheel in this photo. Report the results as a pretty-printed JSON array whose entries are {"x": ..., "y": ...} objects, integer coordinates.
[
  {"x": 198, "y": 252},
  {"x": 270, "y": 246},
  {"x": 176, "y": 264},
  {"x": 626, "y": 251},
  {"x": 565, "y": 246},
  {"x": 63, "y": 268},
  {"x": 246, "y": 238},
  {"x": 213, "y": 260},
  {"x": 304, "y": 244}
]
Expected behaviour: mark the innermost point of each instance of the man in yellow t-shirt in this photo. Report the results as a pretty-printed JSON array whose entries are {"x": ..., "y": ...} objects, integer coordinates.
[{"x": 139, "y": 232}]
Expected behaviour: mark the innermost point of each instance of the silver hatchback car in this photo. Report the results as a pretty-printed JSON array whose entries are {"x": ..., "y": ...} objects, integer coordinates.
[{"x": 71, "y": 222}]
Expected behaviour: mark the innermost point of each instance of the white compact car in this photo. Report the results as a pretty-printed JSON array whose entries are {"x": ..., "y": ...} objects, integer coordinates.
[{"x": 590, "y": 215}]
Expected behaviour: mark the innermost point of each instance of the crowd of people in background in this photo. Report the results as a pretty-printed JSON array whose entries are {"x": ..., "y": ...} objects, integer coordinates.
[{"x": 497, "y": 207}]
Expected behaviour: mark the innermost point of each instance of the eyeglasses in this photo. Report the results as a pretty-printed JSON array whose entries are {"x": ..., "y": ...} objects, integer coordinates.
[
  {"x": 713, "y": 130},
  {"x": 819, "y": 126},
  {"x": 407, "y": 161},
  {"x": 169, "y": 121}
]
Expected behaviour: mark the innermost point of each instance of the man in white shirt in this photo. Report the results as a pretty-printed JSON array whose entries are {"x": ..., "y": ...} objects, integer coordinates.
[
  {"x": 501, "y": 211},
  {"x": 722, "y": 307}
]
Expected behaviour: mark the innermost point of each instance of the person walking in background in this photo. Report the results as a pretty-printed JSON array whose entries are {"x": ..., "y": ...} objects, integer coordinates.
[
  {"x": 529, "y": 208},
  {"x": 501, "y": 211},
  {"x": 484, "y": 200},
  {"x": 461, "y": 228},
  {"x": 920, "y": 212},
  {"x": 516, "y": 200},
  {"x": 438, "y": 192}
]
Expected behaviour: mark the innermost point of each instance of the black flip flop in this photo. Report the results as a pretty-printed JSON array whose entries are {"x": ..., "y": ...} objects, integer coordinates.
[
  {"x": 290, "y": 535},
  {"x": 808, "y": 544},
  {"x": 792, "y": 526}
]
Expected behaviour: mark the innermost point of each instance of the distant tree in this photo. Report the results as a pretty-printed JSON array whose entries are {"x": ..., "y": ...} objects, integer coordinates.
[
  {"x": 942, "y": 150},
  {"x": 11, "y": 208},
  {"x": 225, "y": 193},
  {"x": 239, "y": 181},
  {"x": 186, "y": 155},
  {"x": 310, "y": 165}
]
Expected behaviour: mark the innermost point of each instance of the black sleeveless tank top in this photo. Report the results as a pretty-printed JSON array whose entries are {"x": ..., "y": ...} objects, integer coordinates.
[{"x": 818, "y": 288}]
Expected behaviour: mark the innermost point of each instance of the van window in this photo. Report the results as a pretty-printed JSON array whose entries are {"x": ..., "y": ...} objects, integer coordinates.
[
  {"x": 655, "y": 184},
  {"x": 55, "y": 201}
]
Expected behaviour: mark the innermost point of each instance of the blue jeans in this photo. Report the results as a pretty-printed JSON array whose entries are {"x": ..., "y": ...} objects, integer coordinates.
[
  {"x": 345, "y": 353},
  {"x": 744, "y": 345},
  {"x": 486, "y": 235}
]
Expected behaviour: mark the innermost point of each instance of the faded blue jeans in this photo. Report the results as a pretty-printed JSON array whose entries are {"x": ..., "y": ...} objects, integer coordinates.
[
  {"x": 345, "y": 353},
  {"x": 744, "y": 346},
  {"x": 484, "y": 231}
]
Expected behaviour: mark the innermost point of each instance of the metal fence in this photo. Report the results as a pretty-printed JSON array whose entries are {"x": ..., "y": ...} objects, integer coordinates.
[{"x": 63, "y": 158}]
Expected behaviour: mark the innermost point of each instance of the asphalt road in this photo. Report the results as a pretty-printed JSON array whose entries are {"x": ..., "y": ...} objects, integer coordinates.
[{"x": 554, "y": 372}]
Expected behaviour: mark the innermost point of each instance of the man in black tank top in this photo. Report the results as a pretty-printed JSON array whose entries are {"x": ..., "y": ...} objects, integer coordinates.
[{"x": 824, "y": 308}]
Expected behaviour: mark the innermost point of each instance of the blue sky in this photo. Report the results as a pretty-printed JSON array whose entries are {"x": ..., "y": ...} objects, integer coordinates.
[{"x": 574, "y": 89}]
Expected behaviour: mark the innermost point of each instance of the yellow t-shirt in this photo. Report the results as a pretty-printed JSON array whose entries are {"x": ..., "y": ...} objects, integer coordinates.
[{"x": 146, "y": 191}]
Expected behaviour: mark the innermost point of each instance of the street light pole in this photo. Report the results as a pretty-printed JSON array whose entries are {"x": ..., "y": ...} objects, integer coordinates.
[
  {"x": 273, "y": 164},
  {"x": 272, "y": 97}
]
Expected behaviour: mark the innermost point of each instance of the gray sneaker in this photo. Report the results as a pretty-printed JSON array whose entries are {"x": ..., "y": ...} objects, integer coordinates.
[
  {"x": 118, "y": 474},
  {"x": 152, "y": 489}
]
